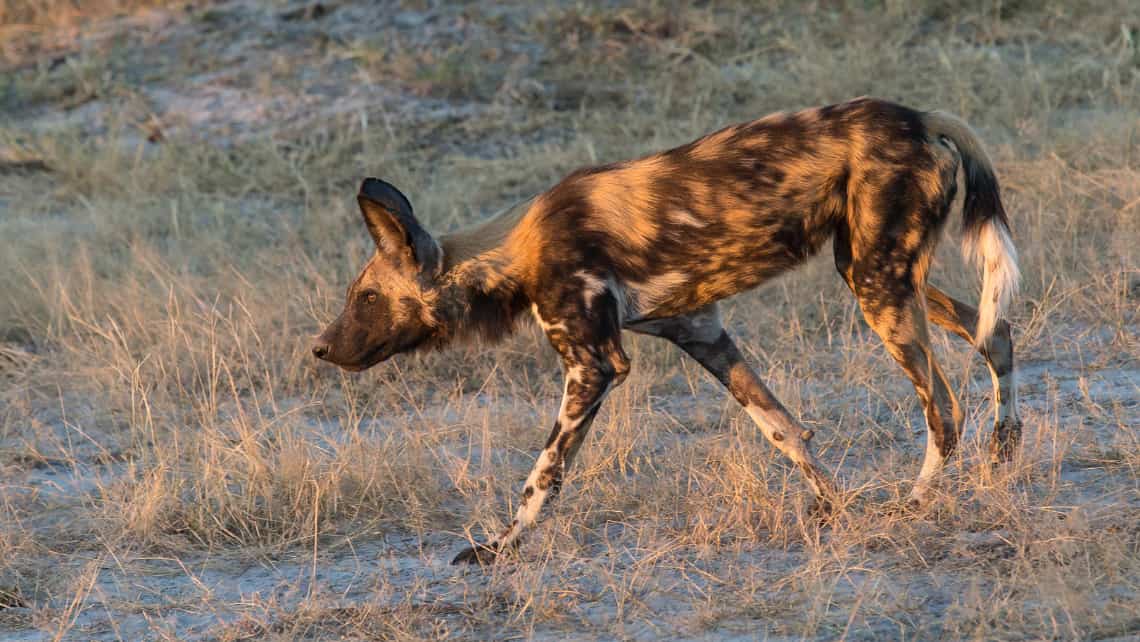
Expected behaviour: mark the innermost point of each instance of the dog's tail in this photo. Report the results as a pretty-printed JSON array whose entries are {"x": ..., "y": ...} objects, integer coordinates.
[{"x": 986, "y": 240}]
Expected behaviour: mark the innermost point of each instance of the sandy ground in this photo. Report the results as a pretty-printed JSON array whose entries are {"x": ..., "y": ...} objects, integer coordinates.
[{"x": 209, "y": 596}]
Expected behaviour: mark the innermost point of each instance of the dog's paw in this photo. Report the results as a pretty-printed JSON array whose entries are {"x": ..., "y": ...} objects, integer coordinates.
[
  {"x": 1004, "y": 441},
  {"x": 481, "y": 554},
  {"x": 822, "y": 509},
  {"x": 916, "y": 504}
]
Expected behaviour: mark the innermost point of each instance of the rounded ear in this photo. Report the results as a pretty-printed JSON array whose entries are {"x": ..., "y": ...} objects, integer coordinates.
[{"x": 395, "y": 230}]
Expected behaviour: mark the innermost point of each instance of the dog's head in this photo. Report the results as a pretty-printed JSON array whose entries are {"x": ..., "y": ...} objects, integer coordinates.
[{"x": 388, "y": 309}]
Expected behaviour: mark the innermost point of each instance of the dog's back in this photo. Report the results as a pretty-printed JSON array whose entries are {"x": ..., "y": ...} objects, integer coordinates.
[{"x": 686, "y": 227}]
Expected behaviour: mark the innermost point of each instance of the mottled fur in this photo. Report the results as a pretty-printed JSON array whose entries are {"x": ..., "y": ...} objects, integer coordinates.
[{"x": 651, "y": 245}]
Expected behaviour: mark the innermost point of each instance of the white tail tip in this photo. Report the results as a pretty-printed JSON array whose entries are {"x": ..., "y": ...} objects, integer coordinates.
[{"x": 991, "y": 248}]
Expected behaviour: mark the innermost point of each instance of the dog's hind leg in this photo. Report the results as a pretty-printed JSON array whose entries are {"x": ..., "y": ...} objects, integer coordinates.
[
  {"x": 893, "y": 308},
  {"x": 703, "y": 337},
  {"x": 887, "y": 273},
  {"x": 901, "y": 323},
  {"x": 960, "y": 318}
]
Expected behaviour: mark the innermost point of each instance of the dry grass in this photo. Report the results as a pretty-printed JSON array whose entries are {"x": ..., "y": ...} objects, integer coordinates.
[
  {"x": 34, "y": 31},
  {"x": 174, "y": 464}
]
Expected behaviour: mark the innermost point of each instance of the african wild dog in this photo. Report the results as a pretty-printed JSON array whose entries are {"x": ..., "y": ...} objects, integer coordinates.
[{"x": 652, "y": 245}]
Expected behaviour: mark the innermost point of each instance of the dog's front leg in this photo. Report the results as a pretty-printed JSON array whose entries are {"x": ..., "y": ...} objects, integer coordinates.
[{"x": 594, "y": 362}]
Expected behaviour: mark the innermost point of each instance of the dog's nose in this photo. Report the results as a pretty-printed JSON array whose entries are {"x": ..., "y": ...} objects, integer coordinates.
[{"x": 320, "y": 350}]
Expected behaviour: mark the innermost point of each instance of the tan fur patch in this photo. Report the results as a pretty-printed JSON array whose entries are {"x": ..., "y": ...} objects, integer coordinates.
[
  {"x": 521, "y": 253},
  {"x": 809, "y": 116},
  {"x": 623, "y": 205},
  {"x": 712, "y": 146},
  {"x": 484, "y": 236},
  {"x": 700, "y": 192}
]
